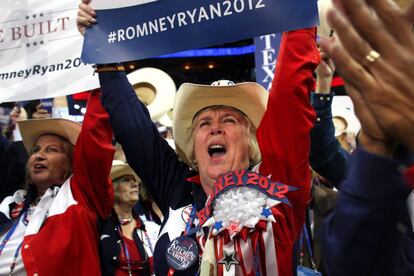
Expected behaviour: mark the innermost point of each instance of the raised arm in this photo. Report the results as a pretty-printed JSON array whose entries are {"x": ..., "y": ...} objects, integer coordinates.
[
  {"x": 146, "y": 151},
  {"x": 92, "y": 159},
  {"x": 365, "y": 234},
  {"x": 327, "y": 157},
  {"x": 284, "y": 131}
]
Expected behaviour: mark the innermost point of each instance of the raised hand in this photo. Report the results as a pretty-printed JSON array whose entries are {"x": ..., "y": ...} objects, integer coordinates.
[
  {"x": 375, "y": 57},
  {"x": 324, "y": 74},
  {"x": 86, "y": 16}
]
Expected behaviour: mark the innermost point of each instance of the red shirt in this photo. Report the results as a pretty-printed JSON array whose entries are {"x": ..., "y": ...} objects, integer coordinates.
[
  {"x": 409, "y": 176},
  {"x": 134, "y": 259}
]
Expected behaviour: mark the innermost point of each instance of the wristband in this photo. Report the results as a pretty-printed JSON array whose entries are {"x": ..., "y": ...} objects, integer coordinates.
[{"x": 113, "y": 67}]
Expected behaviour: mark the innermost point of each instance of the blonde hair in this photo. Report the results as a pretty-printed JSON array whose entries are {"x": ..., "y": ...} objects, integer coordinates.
[
  {"x": 254, "y": 150},
  {"x": 116, "y": 183}
]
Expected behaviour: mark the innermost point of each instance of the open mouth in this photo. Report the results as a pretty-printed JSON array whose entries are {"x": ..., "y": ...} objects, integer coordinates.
[
  {"x": 39, "y": 166},
  {"x": 216, "y": 150}
]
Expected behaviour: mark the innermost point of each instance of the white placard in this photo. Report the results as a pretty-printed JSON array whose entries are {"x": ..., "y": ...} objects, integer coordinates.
[{"x": 40, "y": 51}]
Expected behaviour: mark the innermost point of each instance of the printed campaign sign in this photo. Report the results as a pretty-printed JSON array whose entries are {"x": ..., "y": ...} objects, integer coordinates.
[
  {"x": 47, "y": 104},
  {"x": 40, "y": 51},
  {"x": 142, "y": 29},
  {"x": 267, "y": 49}
]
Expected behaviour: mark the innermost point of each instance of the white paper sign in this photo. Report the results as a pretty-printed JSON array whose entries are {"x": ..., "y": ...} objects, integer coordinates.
[{"x": 39, "y": 50}]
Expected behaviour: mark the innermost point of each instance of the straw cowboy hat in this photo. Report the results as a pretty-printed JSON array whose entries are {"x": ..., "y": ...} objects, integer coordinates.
[
  {"x": 119, "y": 168},
  {"x": 247, "y": 97},
  {"x": 31, "y": 130},
  {"x": 155, "y": 89}
]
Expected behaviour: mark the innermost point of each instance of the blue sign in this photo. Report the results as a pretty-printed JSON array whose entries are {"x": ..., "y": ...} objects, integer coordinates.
[
  {"x": 267, "y": 49},
  {"x": 168, "y": 26},
  {"x": 47, "y": 104}
]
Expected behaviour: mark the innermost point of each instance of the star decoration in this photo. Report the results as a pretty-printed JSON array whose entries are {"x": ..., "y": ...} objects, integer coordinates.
[
  {"x": 233, "y": 228},
  {"x": 229, "y": 259},
  {"x": 218, "y": 225},
  {"x": 266, "y": 212}
]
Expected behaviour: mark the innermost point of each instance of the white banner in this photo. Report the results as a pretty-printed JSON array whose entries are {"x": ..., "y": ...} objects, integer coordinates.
[{"x": 40, "y": 50}]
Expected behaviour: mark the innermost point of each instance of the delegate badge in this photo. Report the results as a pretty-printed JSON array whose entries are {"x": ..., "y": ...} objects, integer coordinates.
[{"x": 182, "y": 253}]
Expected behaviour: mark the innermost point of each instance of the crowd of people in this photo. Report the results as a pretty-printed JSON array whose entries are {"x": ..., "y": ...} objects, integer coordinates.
[{"x": 254, "y": 179}]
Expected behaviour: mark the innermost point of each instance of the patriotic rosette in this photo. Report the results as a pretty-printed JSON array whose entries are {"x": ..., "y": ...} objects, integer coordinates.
[
  {"x": 242, "y": 202},
  {"x": 238, "y": 213}
]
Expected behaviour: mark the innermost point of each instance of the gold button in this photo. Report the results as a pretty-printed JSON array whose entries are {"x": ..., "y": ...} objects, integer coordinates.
[{"x": 114, "y": 258}]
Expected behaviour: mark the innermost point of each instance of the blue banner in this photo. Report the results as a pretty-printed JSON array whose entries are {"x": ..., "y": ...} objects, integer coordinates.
[
  {"x": 168, "y": 26},
  {"x": 267, "y": 49}
]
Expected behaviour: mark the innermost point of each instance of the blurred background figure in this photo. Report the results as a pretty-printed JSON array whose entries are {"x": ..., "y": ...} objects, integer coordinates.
[
  {"x": 345, "y": 122},
  {"x": 127, "y": 241}
]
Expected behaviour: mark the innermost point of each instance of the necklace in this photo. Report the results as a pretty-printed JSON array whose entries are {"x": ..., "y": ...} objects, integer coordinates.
[{"x": 124, "y": 221}]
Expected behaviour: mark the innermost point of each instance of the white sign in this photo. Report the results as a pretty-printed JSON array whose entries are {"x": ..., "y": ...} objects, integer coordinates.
[{"x": 40, "y": 51}]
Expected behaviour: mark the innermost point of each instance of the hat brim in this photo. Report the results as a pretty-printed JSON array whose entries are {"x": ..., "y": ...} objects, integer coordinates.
[
  {"x": 248, "y": 97},
  {"x": 31, "y": 130},
  {"x": 163, "y": 86},
  {"x": 121, "y": 170},
  {"x": 342, "y": 106}
]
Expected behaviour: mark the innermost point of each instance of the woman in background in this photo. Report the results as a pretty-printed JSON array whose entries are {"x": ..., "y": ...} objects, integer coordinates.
[{"x": 127, "y": 243}]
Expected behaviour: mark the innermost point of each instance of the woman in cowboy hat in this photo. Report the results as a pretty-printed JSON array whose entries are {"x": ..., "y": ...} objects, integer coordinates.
[
  {"x": 254, "y": 212},
  {"x": 50, "y": 228},
  {"x": 127, "y": 243}
]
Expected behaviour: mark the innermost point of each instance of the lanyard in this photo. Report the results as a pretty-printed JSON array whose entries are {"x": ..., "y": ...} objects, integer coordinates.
[
  {"x": 8, "y": 235},
  {"x": 308, "y": 245},
  {"x": 11, "y": 231},
  {"x": 16, "y": 254},
  {"x": 305, "y": 230},
  {"x": 148, "y": 241},
  {"x": 125, "y": 250},
  {"x": 23, "y": 218}
]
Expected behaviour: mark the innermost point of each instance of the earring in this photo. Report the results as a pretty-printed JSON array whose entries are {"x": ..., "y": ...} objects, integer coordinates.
[{"x": 194, "y": 165}]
